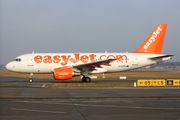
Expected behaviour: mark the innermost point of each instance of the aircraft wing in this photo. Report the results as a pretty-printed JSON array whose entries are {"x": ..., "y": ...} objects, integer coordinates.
[{"x": 96, "y": 64}]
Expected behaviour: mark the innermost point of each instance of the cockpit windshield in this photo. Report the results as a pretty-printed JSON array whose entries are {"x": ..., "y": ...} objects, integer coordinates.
[{"x": 17, "y": 59}]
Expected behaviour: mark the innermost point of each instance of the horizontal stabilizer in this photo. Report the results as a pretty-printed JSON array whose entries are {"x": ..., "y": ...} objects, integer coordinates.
[{"x": 158, "y": 57}]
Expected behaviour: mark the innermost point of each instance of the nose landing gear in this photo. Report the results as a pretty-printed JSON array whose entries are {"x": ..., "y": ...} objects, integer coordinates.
[{"x": 31, "y": 78}]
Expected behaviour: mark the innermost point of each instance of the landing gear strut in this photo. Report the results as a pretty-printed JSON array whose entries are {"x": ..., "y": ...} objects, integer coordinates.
[
  {"x": 31, "y": 78},
  {"x": 86, "y": 79}
]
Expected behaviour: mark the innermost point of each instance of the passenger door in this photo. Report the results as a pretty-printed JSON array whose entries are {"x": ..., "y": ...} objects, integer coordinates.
[
  {"x": 30, "y": 60},
  {"x": 135, "y": 60}
]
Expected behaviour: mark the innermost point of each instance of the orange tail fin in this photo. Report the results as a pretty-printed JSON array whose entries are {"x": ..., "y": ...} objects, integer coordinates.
[{"x": 154, "y": 42}]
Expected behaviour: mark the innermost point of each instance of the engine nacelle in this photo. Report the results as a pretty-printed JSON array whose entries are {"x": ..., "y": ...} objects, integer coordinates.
[{"x": 63, "y": 73}]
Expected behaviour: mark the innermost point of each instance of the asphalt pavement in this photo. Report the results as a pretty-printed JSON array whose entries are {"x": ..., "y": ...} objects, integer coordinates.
[{"x": 21, "y": 100}]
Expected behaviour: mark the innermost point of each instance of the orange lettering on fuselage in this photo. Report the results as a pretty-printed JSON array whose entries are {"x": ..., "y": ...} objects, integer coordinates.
[
  {"x": 84, "y": 58},
  {"x": 56, "y": 59},
  {"x": 47, "y": 59},
  {"x": 38, "y": 59},
  {"x": 75, "y": 58},
  {"x": 65, "y": 59},
  {"x": 92, "y": 57},
  {"x": 121, "y": 57}
]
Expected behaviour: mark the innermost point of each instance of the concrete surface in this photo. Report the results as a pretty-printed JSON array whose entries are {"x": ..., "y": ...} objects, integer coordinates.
[{"x": 20, "y": 100}]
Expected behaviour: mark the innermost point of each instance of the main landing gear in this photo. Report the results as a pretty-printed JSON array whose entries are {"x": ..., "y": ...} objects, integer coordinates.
[
  {"x": 86, "y": 79},
  {"x": 31, "y": 78}
]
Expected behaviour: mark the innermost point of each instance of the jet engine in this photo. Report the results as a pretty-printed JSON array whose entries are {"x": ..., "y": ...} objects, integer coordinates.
[{"x": 63, "y": 73}]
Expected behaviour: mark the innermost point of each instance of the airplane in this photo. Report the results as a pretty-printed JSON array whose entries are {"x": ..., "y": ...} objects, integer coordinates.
[{"x": 64, "y": 66}]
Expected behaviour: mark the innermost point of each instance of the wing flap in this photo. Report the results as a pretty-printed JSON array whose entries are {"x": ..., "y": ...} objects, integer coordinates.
[{"x": 96, "y": 64}]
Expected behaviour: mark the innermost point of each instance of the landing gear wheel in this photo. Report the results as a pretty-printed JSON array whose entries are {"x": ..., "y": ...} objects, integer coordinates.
[
  {"x": 86, "y": 79},
  {"x": 30, "y": 80},
  {"x": 83, "y": 79}
]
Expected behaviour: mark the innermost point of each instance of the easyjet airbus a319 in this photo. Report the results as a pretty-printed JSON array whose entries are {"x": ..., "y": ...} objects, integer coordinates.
[{"x": 66, "y": 65}]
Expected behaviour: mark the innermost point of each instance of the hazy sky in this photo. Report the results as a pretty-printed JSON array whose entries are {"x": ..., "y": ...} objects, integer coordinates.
[{"x": 85, "y": 26}]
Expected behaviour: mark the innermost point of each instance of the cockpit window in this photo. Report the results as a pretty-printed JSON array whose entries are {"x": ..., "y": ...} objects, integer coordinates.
[{"x": 17, "y": 60}]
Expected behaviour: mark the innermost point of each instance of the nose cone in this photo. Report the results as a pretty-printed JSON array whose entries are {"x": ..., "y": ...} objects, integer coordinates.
[{"x": 9, "y": 66}]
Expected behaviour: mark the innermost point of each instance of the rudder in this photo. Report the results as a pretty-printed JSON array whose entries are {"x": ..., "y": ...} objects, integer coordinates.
[{"x": 154, "y": 42}]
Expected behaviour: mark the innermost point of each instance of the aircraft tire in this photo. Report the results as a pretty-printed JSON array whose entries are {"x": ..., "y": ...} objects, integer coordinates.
[
  {"x": 83, "y": 79},
  {"x": 88, "y": 79},
  {"x": 30, "y": 80}
]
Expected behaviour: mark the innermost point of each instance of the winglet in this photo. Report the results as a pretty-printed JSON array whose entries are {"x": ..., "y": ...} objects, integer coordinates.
[{"x": 154, "y": 42}]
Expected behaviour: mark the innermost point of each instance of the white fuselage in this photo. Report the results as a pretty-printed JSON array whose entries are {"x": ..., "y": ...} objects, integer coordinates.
[{"x": 46, "y": 62}]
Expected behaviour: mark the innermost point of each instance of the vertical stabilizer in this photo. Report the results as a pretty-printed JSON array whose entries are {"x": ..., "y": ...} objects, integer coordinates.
[{"x": 154, "y": 42}]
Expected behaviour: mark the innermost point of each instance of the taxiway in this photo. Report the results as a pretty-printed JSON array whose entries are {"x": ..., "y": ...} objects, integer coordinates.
[{"x": 20, "y": 100}]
